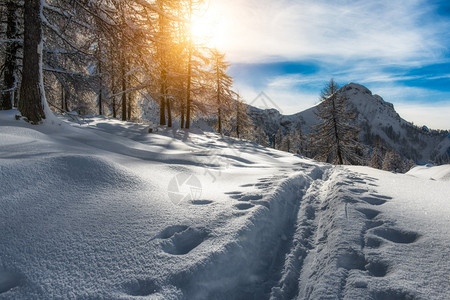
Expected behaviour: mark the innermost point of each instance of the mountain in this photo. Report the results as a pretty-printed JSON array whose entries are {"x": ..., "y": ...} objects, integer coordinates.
[{"x": 380, "y": 124}]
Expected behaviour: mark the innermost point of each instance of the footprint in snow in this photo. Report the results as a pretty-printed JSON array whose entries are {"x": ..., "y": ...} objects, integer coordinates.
[
  {"x": 369, "y": 213},
  {"x": 183, "y": 242},
  {"x": 251, "y": 197},
  {"x": 201, "y": 202},
  {"x": 262, "y": 185},
  {"x": 140, "y": 287},
  {"x": 377, "y": 268},
  {"x": 233, "y": 193},
  {"x": 372, "y": 242},
  {"x": 171, "y": 231},
  {"x": 264, "y": 180},
  {"x": 392, "y": 295},
  {"x": 374, "y": 200},
  {"x": 247, "y": 185},
  {"x": 381, "y": 196},
  {"x": 244, "y": 206},
  {"x": 8, "y": 280},
  {"x": 358, "y": 191},
  {"x": 351, "y": 259},
  {"x": 396, "y": 235},
  {"x": 262, "y": 203}
]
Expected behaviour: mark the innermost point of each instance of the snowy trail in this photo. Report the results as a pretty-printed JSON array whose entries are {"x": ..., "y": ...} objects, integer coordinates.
[
  {"x": 248, "y": 266},
  {"x": 348, "y": 246}
]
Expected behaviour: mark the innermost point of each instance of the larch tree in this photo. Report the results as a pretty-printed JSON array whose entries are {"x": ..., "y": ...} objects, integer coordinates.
[
  {"x": 335, "y": 138},
  {"x": 223, "y": 93},
  {"x": 393, "y": 162},
  {"x": 243, "y": 123},
  {"x": 67, "y": 53},
  {"x": 299, "y": 140},
  {"x": 10, "y": 66},
  {"x": 192, "y": 55}
]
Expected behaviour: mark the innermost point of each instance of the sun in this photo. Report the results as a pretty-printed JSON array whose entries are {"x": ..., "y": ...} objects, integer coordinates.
[{"x": 208, "y": 29}]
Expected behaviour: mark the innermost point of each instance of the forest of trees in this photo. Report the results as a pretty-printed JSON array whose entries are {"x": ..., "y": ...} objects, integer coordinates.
[
  {"x": 109, "y": 56},
  {"x": 112, "y": 57}
]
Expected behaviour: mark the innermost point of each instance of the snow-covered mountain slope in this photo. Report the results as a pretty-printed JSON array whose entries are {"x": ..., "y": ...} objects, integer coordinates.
[
  {"x": 104, "y": 210},
  {"x": 375, "y": 118}
]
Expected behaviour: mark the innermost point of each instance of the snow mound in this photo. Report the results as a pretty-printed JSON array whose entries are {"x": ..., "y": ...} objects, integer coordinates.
[{"x": 431, "y": 172}]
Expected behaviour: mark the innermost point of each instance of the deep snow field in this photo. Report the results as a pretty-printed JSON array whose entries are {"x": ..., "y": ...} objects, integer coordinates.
[{"x": 105, "y": 210}]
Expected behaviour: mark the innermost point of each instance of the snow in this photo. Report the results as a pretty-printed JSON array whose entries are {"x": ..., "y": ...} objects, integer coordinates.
[
  {"x": 103, "y": 209},
  {"x": 431, "y": 172}
]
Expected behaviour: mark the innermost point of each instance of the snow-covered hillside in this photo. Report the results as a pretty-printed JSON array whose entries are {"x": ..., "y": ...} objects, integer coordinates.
[
  {"x": 105, "y": 210},
  {"x": 375, "y": 118}
]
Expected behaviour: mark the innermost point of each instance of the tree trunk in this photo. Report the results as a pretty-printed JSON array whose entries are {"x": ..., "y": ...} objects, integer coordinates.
[
  {"x": 162, "y": 99},
  {"x": 182, "y": 116},
  {"x": 219, "y": 112},
  {"x": 32, "y": 93},
  {"x": 124, "y": 88},
  {"x": 100, "y": 90},
  {"x": 130, "y": 106},
  {"x": 114, "y": 89},
  {"x": 63, "y": 97},
  {"x": 336, "y": 134},
  {"x": 238, "y": 121},
  {"x": 188, "y": 91},
  {"x": 10, "y": 66},
  {"x": 169, "y": 114},
  {"x": 114, "y": 107},
  {"x": 189, "y": 74},
  {"x": 219, "y": 120}
]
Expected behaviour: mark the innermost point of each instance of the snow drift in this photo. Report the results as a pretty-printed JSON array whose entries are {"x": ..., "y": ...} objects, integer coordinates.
[{"x": 87, "y": 211}]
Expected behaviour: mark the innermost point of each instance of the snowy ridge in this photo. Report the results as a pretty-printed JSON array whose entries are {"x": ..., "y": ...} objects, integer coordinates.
[{"x": 87, "y": 211}]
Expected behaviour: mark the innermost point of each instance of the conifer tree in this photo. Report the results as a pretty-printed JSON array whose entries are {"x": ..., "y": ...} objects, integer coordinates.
[
  {"x": 261, "y": 137},
  {"x": 10, "y": 82},
  {"x": 243, "y": 123},
  {"x": 376, "y": 158},
  {"x": 335, "y": 138},
  {"x": 298, "y": 140},
  {"x": 392, "y": 161},
  {"x": 223, "y": 93}
]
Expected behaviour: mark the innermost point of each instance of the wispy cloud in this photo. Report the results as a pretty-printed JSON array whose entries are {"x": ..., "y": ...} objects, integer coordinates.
[{"x": 395, "y": 31}]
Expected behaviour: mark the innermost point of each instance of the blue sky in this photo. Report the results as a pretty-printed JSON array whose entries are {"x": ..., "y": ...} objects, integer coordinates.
[{"x": 290, "y": 48}]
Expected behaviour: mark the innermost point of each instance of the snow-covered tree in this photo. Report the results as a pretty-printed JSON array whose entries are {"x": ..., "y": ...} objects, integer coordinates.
[
  {"x": 261, "y": 137},
  {"x": 277, "y": 138},
  {"x": 10, "y": 65},
  {"x": 393, "y": 162},
  {"x": 335, "y": 138},
  {"x": 376, "y": 158},
  {"x": 243, "y": 124},
  {"x": 299, "y": 141}
]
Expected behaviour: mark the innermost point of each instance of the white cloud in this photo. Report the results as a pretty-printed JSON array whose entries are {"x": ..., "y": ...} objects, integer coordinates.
[
  {"x": 286, "y": 100},
  {"x": 262, "y": 30},
  {"x": 374, "y": 43}
]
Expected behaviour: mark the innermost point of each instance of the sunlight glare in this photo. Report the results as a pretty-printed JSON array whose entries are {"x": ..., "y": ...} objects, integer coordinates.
[{"x": 207, "y": 28}]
